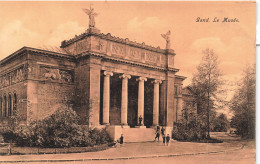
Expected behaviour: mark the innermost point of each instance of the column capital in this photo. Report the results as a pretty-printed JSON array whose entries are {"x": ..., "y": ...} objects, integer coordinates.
[
  {"x": 123, "y": 76},
  {"x": 156, "y": 81},
  {"x": 108, "y": 73},
  {"x": 141, "y": 79}
]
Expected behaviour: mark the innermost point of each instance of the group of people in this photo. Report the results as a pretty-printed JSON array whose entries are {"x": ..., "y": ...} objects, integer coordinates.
[{"x": 166, "y": 139}]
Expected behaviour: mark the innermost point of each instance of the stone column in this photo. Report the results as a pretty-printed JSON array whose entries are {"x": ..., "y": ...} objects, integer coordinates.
[
  {"x": 106, "y": 97},
  {"x": 156, "y": 102},
  {"x": 124, "y": 99},
  {"x": 141, "y": 99}
]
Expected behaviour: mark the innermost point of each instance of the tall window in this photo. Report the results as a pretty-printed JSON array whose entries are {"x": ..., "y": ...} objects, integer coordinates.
[
  {"x": 5, "y": 106},
  {"x": 15, "y": 103},
  {"x": 10, "y": 105}
]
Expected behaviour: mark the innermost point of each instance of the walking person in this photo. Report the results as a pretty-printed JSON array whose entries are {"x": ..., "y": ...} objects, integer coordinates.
[
  {"x": 167, "y": 139},
  {"x": 162, "y": 131},
  {"x": 157, "y": 135}
]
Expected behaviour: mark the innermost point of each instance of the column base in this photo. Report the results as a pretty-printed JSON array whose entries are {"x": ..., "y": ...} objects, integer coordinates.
[
  {"x": 140, "y": 126},
  {"x": 155, "y": 127},
  {"x": 125, "y": 126},
  {"x": 99, "y": 126}
]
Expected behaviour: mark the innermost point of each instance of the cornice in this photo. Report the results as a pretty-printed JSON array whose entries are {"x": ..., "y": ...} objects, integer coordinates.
[
  {"x": 34, "y": 50},
  {"x": 109, "y": 37},
  {"x": 180, "y": 77}
]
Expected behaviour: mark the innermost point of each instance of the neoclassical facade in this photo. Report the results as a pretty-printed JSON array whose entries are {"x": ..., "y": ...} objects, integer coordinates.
[{"x": 109, "y": 81}]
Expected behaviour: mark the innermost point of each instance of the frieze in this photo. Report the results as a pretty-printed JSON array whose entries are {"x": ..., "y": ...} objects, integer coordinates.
[
  {"x": 134, "y": 53},
  {"x": 83, "y": 45},
  {"x": 99, "y": 44},
  {"x": 118, "y": 49},
  {"x": 15, "y": 76},
  {"x": 163, "y": 59},
  {"x": 152, "y": 57},
  {"x": 55, "y": 74}
]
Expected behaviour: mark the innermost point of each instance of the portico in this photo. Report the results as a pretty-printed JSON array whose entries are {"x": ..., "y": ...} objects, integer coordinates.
[{"x": 139, "y": 82}]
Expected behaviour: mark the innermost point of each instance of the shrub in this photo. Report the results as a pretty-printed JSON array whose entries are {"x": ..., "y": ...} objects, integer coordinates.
[
  {"x": 190, "y": 128},
  {"x": 60, "y": 129}
]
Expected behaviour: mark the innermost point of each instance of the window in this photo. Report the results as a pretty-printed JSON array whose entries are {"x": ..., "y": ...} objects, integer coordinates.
[
  {"x": 5, "y": 107},
  {"x": 15, "y": 103},
  {"x": 10, "y": 105}
]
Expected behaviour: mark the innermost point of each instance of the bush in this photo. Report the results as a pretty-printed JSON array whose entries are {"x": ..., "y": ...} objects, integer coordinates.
[
  {"x": 190, "y": 128},
  {"x": 60, "y": 129}
]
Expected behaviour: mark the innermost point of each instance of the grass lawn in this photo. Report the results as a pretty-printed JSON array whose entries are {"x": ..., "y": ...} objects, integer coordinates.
[{"x": 35, "y": 150}]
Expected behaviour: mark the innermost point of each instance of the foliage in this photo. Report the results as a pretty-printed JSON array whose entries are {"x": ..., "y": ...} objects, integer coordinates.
[
  {"x": 243, "y": 104},
  {"x": 220, "y": 123},
  {"x": 60, "y": 129},
  {"x": 190, "y": 128},
  {"x": 206, "y": 85}
]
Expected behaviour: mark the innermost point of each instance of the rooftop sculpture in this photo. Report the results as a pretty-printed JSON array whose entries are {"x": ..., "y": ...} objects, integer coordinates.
[
  {"x": 91, "y": 13},
  {"x": 167, "y": 38}
]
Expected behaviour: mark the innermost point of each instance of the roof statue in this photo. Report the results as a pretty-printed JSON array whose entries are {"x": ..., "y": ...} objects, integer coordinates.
[
  {"x": 167, "y": 38},
  {"x": 90, "y": 12}
]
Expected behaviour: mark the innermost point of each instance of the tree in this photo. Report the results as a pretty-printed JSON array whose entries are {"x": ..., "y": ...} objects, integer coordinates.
[
  {"x": 206, "y": 84},
  {"x": 243, "y": 104},
  {"x": 220, "y": 124}
]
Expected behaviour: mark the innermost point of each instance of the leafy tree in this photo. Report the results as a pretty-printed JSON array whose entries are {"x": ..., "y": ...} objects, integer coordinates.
[
  {"x": 243, "y": 104},
  {"x": 206, "y": 84},
  {"x": 220, "y": 123},
  {"x": 190, "y": 127}
]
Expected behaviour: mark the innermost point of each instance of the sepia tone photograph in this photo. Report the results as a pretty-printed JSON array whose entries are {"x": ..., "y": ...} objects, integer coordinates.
[{"x": 122, "y": 82}]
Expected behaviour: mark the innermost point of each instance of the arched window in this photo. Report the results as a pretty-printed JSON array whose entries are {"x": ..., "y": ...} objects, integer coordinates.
[
  {"x": 15, "y": 103},
  {"x": 10, "y": 105},
  {"x": 5, "y": 106}
]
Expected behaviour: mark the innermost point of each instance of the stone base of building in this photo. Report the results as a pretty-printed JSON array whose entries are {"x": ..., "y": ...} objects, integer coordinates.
[
  {"x": 140, "y": 126},
  {"x": 137, "y": 134}
]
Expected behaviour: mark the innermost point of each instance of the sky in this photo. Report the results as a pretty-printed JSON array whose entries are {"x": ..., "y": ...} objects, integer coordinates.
[{"x": 46, "y": 24}]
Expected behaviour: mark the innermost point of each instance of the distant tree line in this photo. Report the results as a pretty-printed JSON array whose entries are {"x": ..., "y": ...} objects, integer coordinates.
[
  {"x": 243, "y": 104},
  {"x": 207, "y": 88}
]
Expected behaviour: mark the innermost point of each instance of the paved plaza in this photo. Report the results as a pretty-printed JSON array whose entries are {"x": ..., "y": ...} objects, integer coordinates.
[{"x": 231, "y": 148}]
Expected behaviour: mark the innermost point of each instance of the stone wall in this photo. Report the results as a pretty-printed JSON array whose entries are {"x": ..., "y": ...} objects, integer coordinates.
[{"x": 50, "y": 96}]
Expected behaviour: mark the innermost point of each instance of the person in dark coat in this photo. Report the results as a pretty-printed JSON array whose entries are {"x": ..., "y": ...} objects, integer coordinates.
[
  {"x": 167, "y": 139},
  {"x": 164, "y": 139},
  {"x": 121, "y": 140},
  {"x": 162, "y": 131},
  {"x": 157, "y": 135},
  {"x": 158, "y": 128}
]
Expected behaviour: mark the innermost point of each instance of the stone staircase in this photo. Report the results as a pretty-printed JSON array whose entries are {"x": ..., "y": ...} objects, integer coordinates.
[{"x": 138, "y": 134}]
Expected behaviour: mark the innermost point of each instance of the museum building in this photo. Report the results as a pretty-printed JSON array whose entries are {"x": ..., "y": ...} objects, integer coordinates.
[{"x": 126, "y": 87}]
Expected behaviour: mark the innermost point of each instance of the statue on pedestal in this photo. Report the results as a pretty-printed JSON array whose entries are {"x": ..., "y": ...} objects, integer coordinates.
[
  {"x": 167, "y": 38},
  {"x": 140, "y": 120},
  {"x": 90, "y": 12}
]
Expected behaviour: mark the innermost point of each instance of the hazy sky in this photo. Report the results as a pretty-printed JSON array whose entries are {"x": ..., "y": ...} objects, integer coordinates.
[{"x": 38, "y": 24}]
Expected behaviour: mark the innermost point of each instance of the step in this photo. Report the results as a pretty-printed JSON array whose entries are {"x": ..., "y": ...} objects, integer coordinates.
[{"x": 138, "y": 134}]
